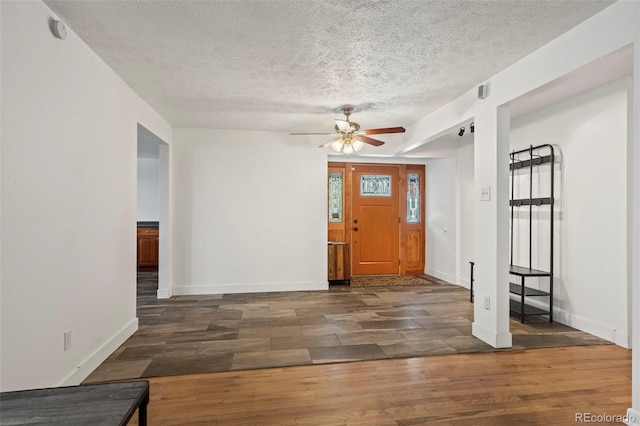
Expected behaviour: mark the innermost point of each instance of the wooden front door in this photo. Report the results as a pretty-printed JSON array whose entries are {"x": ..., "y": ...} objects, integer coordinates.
[{"x": 375, "y": 220}]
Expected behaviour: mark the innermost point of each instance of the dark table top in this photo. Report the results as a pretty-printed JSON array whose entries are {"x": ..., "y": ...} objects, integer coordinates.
[
  {"x": 148, "y": 224},
  {"x": 101, "y": 404}
]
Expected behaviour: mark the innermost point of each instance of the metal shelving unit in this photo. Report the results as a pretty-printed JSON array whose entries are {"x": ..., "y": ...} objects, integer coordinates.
[{"x": 537, "y": 156}]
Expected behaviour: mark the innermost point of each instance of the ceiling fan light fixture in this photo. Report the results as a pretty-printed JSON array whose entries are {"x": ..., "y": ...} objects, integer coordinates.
[
  {"x": 357, "y": 145},
  {"x": 337, "y": 145},
  {"x": 351, "y": 137}
]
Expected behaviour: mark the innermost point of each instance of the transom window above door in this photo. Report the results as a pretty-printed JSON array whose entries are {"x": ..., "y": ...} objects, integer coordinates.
[{"x": 375, "y": 185}]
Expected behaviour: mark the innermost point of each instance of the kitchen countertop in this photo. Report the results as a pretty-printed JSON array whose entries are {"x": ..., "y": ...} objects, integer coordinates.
[{"x": 148, "y": 225}]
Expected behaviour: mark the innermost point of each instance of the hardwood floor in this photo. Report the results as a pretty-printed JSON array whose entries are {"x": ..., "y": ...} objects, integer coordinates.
[
  {"x": 531, "y": 387},
  {"x": 547, "y": 386}
]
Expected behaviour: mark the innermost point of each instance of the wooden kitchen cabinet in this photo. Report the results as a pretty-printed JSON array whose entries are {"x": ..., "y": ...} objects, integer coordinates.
[{"x": 148, "y": 243}]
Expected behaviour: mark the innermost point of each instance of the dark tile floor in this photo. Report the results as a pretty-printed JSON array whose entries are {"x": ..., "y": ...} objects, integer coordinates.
[{"x": 198, "y": 334}]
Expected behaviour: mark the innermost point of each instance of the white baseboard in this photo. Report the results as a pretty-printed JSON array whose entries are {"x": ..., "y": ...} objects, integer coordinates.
[
  {"x": 163, "y": 293},
  {"x": 441, "y": 275},
  {"x": 463, "y": 282},
  {"x": 632, "y": 417},
  {"x": 596, "y": 329},
  {"x": 602, "y": 331},
  {"x": 497, "y": 340},
  {"x": 92, "y": 362},
  {"x": 249, "y": 288}
]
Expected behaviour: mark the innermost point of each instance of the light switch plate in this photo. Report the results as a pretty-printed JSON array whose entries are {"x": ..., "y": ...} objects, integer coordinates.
[{"x": 67, "y": 340}]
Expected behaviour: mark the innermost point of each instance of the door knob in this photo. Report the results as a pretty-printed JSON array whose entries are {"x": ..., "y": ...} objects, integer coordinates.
[{"x": 355, "y": 229}]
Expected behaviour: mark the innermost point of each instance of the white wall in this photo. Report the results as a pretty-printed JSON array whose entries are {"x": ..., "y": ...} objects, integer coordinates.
[
  {"x": 633, "y": 209},
  {"x": 607, "y": 32},
  {"x": 148, "y": 190},
  {"x": 464, "y": 212},
  {"x": 441, "y": 218},
  {"x": 69, "y": 130},
  {"x": 589, "y": 134},
  {"x": 449, "y": 193},
  {"x": 248, "y": 212}
]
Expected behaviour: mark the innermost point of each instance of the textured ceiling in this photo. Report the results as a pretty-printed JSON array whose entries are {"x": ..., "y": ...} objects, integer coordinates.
[
  {"x": 611, "y": 67},
  {"x": 288, "y": 65}
]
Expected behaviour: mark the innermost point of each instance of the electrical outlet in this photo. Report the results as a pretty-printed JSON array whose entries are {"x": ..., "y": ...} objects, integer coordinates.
[
  {"x": 487, "y": 303},
  {"x": 67, "y": 340},
  {"x": 485, "y": 193}
]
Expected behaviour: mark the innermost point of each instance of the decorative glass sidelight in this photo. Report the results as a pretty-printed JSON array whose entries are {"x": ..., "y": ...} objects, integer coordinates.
[
  {"x": 375, "y": 185},
  {"x": 335, "y": 196},
  {"x": 413, "y": 198}
]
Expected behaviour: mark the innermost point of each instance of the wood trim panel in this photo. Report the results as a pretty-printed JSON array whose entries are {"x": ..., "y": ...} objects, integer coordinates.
[
  {"x": 336, "y": 230},
  {"x": 414, "y": 237},
  {"x": 348, "y": 199},
  {"x": 402, "y": 211}
]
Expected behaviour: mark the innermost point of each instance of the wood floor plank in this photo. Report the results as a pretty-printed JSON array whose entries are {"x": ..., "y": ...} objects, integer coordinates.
[{"x": 533, "y": 387}]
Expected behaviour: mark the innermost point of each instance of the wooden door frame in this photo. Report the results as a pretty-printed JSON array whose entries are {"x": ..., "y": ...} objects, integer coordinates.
[{"x": 343, "y": 232}]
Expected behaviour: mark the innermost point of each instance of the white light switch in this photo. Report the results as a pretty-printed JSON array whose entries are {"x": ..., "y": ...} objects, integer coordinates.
[
  {"x": 67, "y": 340},
  {"x": 485, "y": 193}
]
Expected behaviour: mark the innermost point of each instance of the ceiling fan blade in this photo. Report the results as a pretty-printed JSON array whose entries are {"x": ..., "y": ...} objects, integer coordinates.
[
  {"x": 329, "y": 142},
  {"x": 370, "y": 141},
  {"x": 343, "y": 125},
  {"x": 313, "y": 133},
  {"x": 383, "y": 130}
]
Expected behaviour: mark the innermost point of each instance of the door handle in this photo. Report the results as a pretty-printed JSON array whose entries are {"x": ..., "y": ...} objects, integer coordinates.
[{"x": 355, "y": 229}]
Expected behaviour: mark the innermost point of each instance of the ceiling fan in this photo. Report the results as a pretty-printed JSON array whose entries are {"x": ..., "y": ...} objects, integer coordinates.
[{"x": 352, "y": 138}]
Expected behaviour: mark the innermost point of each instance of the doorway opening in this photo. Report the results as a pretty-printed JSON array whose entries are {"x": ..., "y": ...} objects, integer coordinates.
[{"x": 152, "y": 215}]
